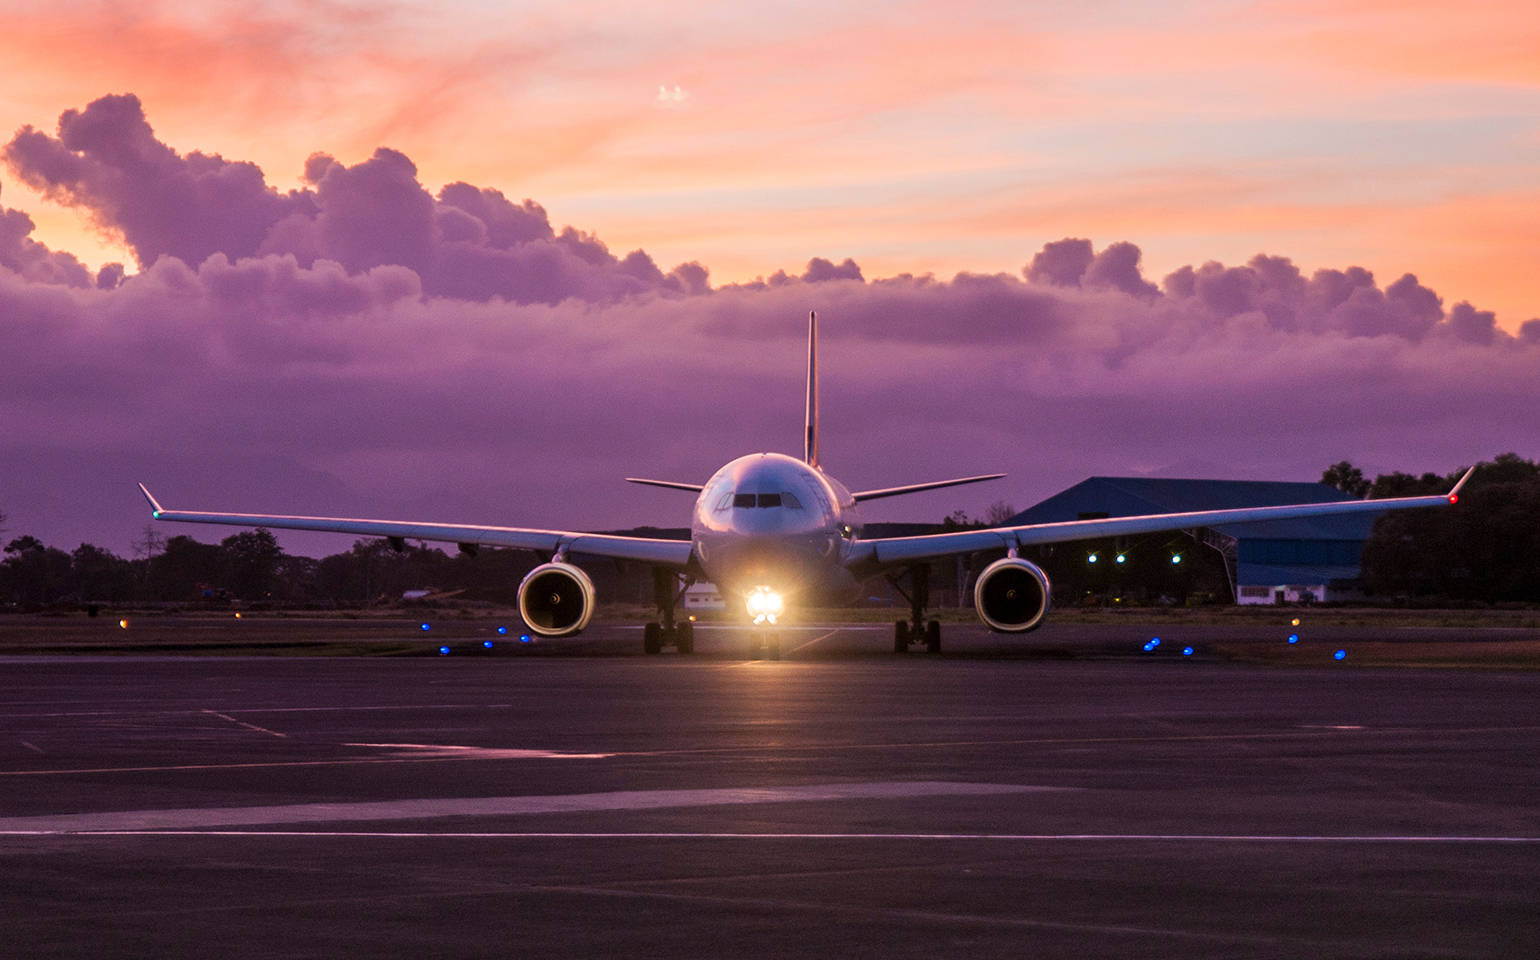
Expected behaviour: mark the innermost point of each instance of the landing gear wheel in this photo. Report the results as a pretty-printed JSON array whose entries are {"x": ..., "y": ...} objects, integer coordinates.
[
  {"x": 901, "y": 636},
  {"x": 684, "y": 637},
  {"x": 652, "y": 638},
  {"x": 933, "y": 637}
]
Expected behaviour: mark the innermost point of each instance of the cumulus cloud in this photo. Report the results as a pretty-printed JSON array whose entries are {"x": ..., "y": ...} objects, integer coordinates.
[
  {"x": 468, "y": 242},
  {"x": 454, "y": 356},
  {"x": 22, "y": 255},
  {"x": 107, "y": 161},
  {"x": 1061, "y": 263}
]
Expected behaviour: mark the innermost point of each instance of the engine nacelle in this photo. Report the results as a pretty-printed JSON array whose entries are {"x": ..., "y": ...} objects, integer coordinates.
[
  {"x": 556, "y": 600},
  {"x": 1012, "y": 595}
]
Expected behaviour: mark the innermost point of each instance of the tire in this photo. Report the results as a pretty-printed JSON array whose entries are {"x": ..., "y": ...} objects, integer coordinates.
[
  {"x": 652, "y": 638},
  {"x": 684, "y": 637},
  {"x": 900, "y": 636},
  {"x": 933, "y": 637}
]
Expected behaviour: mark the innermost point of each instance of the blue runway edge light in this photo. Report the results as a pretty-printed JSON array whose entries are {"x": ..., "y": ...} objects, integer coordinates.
[
  {"x": 1148, "y": 647},
  {"x": 1187, "y": 651},
  {"x": 1339, "y": 655},
  {"x": 524, "y": 638},
  {"x": 443, "y": 651},
  {"x": 487, "y": 644},
  {"x": 502, "y": 631},
  {"x": 426, "y": 628},
  {"x": 1293, "y": 638}
]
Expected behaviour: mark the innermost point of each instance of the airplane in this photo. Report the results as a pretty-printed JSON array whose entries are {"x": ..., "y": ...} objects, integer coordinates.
[{"x": 768, "y": 528}]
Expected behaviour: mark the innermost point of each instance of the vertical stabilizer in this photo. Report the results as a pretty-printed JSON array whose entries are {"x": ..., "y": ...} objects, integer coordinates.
[{"x": 810, "y": 448}]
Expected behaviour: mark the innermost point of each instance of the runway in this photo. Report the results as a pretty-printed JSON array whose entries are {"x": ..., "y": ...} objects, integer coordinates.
[{"x": 837, "y": 806}]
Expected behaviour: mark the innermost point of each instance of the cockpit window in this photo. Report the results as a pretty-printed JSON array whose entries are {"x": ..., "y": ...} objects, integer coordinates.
[
  {"x": 725, "y": 502},
  {"x": 744, "y": 500}
]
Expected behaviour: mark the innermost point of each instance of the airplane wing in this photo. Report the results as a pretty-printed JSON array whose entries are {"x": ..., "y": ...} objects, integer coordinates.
[
  {"x": 901, "y": 549},
  {"x": 671, "y": 553}
]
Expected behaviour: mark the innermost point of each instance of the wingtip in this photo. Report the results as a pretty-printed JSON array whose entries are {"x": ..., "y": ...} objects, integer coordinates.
[
  {"x": 155, "y": 508},
  {"x": 1454, "y": 495}
]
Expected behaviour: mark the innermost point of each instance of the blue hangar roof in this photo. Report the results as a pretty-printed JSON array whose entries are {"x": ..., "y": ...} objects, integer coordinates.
[{"x": 1133, "y": 496}]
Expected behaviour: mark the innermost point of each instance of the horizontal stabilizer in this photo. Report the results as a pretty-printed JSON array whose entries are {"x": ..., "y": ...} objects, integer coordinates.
[
  {"x": 917, "y": 487},
  {"x": 670, "y": 484}
]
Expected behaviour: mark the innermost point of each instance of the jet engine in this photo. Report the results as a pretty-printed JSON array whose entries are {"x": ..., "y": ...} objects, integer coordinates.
[
  {"x": 1012, "y": 595},
  {"x": 556, "y": 600}
]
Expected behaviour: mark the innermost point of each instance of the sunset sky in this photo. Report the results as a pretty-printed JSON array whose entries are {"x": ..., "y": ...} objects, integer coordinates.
[{"x": 914, "y": 139}]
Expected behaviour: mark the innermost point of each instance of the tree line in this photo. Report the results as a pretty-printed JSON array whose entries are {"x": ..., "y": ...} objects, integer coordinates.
[
  {"x": 1487, "y": 550},
  {"x": 250, "y": 567}
]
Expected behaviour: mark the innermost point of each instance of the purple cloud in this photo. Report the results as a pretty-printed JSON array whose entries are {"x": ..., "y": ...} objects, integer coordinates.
[
  {"x": 468, "y": 243},
  {"x": 1061, "y": 263},
  {"x": 1117, "y": 268},
  {"x": 107, "y": 161},
  {"x": 33, "y": 261},
  {"x": 820, "y": 270}
]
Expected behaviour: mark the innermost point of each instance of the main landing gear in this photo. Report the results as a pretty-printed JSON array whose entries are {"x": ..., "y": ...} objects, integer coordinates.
[
  {"x": 916, "y": 629},
  {"x": 668, "y": 589}
]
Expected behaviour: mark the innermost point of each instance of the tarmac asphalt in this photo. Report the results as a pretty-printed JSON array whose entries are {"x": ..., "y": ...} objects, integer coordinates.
[{"x": 844, "y": 805}]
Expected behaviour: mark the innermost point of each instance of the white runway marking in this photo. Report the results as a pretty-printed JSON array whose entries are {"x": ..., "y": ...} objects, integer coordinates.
[
  {"x": 489, "y": 754},
  {"x": 248, "y": 726},
  {"x": 622, "y": 800},
  {"x": 445, "y": 751},
  {"x": 333, "y": 709},
  {"x": 801, "y": 646},
  {"x": 1261, "y": 838}
]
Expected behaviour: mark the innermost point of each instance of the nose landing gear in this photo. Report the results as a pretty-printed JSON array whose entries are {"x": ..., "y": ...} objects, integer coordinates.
[{"x": 764, "y": 644}]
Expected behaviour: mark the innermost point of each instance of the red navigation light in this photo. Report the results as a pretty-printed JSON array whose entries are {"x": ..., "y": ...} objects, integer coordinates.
[{"x": 1454, "y": 498}]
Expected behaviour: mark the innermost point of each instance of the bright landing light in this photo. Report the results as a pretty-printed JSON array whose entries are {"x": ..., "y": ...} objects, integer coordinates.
[{"x": 764, "y": 605}]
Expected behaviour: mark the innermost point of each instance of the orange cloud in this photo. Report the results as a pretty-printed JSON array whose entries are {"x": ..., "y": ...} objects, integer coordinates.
[{"x": 918, "y": 140}]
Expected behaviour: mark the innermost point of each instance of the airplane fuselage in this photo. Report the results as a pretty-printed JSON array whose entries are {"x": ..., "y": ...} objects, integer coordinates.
[{"x": 769, "y": 520}]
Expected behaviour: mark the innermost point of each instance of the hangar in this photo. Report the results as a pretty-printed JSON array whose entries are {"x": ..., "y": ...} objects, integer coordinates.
[{"x": 1272, "y": 562}]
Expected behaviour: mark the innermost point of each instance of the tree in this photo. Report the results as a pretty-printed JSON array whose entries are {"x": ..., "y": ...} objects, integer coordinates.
[
  {"x": 251, "y": 562},
  {"x": 959, "y": 520},
  {"x": 1487, "y": 549},
  {"x": 36, "y": 574},
  {"x": 1347, "y": 478},
  {"x": 101, "y": 575},
  {"x": 184, "y": 568},
  {"x": 997, "y": 513}
]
